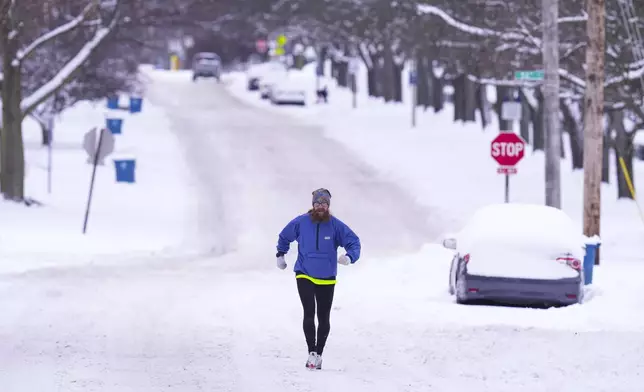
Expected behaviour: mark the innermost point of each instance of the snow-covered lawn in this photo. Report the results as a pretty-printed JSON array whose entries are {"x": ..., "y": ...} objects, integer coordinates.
[{"x": 142, "y": 218}]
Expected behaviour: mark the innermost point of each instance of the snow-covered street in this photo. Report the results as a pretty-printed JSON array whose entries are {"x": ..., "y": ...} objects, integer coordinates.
[
  {"x": 258, "y": 170},
  {"x": 229, "y": 320}
]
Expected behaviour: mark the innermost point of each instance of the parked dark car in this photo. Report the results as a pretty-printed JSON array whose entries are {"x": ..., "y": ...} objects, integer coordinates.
[{"x": 519, "y": 254}]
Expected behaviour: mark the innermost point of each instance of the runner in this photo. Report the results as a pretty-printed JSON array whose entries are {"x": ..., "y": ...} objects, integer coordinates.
[{"x": 319, "y": 234}]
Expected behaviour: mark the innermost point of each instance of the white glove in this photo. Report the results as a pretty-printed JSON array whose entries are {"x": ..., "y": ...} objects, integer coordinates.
[
  {"x": 281, "y": 264},
  {"x": 344, "y": 260}
]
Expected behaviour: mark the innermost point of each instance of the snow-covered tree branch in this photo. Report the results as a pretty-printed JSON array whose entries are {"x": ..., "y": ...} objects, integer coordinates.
[
  {"x": 68, "y": 70},
  {"x": 53, "y": 34}
]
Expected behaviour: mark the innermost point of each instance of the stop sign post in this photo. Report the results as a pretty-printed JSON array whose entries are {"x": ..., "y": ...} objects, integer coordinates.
[{"x": 507, "y": 149}]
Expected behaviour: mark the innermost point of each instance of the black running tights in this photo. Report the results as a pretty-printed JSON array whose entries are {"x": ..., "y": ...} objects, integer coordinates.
[{"x": 310, "y": 294}]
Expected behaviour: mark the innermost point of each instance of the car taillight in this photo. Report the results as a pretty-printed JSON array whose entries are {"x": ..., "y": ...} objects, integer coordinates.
[
  {"x": 466, "y": 258},
  {"x": 570, "y": 262}
]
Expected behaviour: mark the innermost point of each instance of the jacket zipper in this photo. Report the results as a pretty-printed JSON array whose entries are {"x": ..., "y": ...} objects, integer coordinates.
[{"x": 317, "y": 238}]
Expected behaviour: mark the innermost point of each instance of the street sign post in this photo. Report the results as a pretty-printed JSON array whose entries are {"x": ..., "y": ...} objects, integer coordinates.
[
  {"x": 95, "y": 155},
  {"x": 507, "y": 149}
]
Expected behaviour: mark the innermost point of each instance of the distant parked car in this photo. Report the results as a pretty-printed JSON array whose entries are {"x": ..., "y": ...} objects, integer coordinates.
[
  {"x": 206, "y": 64},
  {"x": 519, "y": 254},
  {"x": 262, "y": 76}
]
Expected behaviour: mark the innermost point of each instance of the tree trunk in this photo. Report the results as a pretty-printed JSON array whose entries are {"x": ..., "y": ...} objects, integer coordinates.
[
  {"x": 538, "y": 134},
  {"x": 572, "y": 128},
  {"x": 438, "y": 97},
  {"x": 482, "y": 104},
  {"x": 423, "y": 87},
  {"x": 398, "y": 81},
  {"x": 343, "y": 74},
  {"x": 593, "y": 118},
  {"x": 502, "y": 93},
  {"x": 379, "y": 76},
  {"x": 607, "y": 144},
  {"x": 371, "y": 82},
  {"x": 334, "y": 68},
  {"x": 624, "y": 149},
  {"x": 526, "y": 115},
  {"x": 388, "y": 72},
  {"x": 11, "y": 144},
  {"x": 469, "y": 98},
  {"x": 324, "y": 54},
  {"x": 459, "y": 98}
]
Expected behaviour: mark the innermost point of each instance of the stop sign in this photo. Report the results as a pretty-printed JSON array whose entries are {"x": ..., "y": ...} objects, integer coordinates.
[
  {"x": 260, "y": 45},
  {"x": 508, "y": 148}
]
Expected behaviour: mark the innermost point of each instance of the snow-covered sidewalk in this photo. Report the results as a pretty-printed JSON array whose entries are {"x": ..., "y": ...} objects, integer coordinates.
[{"x": 147, "y": 217}]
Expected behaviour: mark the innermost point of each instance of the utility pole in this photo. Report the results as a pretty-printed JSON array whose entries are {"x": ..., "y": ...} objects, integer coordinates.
[
  {"x": 550, "y": 12},
  {"x": 593, "y": 117}
]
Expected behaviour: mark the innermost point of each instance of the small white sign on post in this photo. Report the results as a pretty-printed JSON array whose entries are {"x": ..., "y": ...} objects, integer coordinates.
[{"x": 511, "y": 111}]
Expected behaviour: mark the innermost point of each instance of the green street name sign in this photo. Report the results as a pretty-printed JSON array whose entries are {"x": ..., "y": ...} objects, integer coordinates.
[{"x": 528, "y": 75}]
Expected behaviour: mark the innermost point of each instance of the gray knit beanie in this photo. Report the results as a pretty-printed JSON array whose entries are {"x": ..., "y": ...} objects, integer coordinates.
[{"x": 322, "y": 196}]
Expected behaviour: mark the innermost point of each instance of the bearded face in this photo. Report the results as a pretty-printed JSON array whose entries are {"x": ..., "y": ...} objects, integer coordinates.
[{"x": 320, "y": 211}]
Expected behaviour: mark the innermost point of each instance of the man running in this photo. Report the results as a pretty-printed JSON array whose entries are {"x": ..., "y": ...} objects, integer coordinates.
[{"x": 319, "y": 234}]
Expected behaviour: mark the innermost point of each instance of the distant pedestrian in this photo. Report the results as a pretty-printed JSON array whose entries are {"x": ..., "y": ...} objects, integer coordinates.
[{"x": 319, "y": 234}]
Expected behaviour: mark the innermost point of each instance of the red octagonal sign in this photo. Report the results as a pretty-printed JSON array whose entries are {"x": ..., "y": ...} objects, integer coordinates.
[{"x": 508, "y": 148}]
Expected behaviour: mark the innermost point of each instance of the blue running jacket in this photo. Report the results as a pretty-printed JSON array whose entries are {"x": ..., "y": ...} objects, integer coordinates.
[{"x": 318, "y": 244}]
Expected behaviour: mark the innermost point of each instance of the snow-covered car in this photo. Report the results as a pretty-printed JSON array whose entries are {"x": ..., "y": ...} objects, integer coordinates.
[
  {"x": 288, "y": 91},
  {"x": 519, "y": 254},
  {"x": 206, "y": 64},
  {"x": 264, "y": 72}
]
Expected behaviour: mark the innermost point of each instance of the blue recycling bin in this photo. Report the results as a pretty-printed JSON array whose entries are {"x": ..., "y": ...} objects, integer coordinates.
[
  {"x": 590, "y": 256},
  {"x": 125, "y": 169},
  {"x": 136, "y": 104},
  {"x": 113, "y": 102},
  {"x": 115, "y": 125}
]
